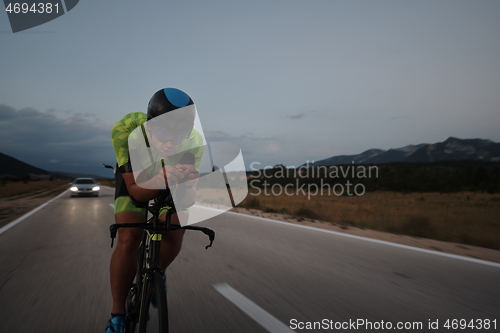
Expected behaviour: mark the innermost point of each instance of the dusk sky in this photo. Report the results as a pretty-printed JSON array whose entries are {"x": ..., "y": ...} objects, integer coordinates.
[{"x": 288, "y": 81}]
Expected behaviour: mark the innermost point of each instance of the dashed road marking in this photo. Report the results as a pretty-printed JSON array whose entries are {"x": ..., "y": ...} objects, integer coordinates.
[{"x": 261, "y": 316}]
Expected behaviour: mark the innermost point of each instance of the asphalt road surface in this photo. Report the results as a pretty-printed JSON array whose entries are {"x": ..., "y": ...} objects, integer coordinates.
[{"x": 259, "y": 276}]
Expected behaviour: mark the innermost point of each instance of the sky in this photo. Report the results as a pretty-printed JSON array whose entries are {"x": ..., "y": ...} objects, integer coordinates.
[{"x": 288, "y": 81}]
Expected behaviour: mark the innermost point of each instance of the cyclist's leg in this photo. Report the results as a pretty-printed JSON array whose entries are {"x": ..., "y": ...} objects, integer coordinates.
[
  {"x": 123, "y": 264},
  {"x": 171, "y": 242}
]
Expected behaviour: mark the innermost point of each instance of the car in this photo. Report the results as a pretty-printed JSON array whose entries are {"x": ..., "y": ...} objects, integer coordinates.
[{"x": 84, "y": 187}]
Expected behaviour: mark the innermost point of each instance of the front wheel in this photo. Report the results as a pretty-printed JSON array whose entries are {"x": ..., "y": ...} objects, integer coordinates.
[
  {"x": 155, "y": 318},
  {"x": 132, "y": 310}
]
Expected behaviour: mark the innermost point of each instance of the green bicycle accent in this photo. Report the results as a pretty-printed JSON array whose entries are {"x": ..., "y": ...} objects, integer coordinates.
[
  {"x": 155, "y": 237},
  {"x": 163, "y": 210}
]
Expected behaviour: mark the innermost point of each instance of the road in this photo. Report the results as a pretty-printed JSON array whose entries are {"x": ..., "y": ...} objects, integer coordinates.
[{"x": 258, "y": 277}]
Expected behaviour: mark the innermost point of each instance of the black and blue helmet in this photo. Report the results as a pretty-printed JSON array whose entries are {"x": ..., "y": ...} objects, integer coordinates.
[
  {"x": 166, "y": 100},
  {"x": 171, "y": 111}
]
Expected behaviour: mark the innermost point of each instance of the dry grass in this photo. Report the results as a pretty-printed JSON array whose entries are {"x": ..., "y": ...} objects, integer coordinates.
[
  {"x": 468, "y": 218},
  {"x": 18, "y": 198},
  {"x": 13, "y": 189},
  {"x": 43, "y": 187},
  {"x": 5, "y": 212},
  {"x": 106, "y": 182}
]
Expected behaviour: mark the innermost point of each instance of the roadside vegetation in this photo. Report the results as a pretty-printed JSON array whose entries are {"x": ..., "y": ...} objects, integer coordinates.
[
  {"x": 467, "y": 217},
  {"x": 9, "y": 189},
  {"x": 21, "y": 196},
  {"x": 443, "y": 176},
  {"x": 453, "y": 201}
]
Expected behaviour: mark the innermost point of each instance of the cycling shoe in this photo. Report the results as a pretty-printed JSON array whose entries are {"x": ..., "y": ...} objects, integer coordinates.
[{"x": 116, "y": 324}]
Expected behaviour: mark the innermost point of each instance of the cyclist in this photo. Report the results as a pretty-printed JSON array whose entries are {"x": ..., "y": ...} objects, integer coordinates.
[{"x": 133, "y": 192}]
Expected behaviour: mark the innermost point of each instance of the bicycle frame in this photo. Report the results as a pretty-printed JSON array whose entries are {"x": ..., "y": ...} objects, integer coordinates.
[{"x": 149, "y": 251}]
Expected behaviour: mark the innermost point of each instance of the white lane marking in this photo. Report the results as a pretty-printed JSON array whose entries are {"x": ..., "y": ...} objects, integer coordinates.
[
  {"x": 255, "y": 312},
  {"x": 448, "y": 255},
  {"x": 13, "y": 223}
]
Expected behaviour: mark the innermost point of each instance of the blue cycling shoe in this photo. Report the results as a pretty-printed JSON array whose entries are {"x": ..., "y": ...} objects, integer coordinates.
[
  {"x": 116, "y": 324},
  {"x": 154, "y": 301}
]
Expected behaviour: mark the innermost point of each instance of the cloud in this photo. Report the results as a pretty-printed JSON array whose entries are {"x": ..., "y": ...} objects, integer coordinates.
[
  {"x": 312, "y": 113},
  {"x": 297, "y": 116},
  {"x": 7, "y": 112},
  {"x": 28, "y": 126},
  {"x": 62, "y": 138},
  {"x": 400, "y": 117},
  {"x": 254, "y": 148},
  {"x": 273, "y": 148},
  {"x": 224, "y": 136}
]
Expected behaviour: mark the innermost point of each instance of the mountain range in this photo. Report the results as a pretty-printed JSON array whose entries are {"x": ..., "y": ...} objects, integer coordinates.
[
  {"x": 11, "y": 167},
  {"x": 451, "y": 149}
]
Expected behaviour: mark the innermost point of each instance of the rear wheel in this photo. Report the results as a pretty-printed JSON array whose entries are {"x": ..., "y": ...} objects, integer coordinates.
[{"x": 155, "y": 318}]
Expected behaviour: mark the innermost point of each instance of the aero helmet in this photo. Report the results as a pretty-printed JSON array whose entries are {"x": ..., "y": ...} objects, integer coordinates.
[{"x": 167, "y": 100}]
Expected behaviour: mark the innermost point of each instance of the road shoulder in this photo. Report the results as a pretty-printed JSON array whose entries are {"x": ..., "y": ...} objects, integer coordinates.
[{"x": 424, "y": 243}]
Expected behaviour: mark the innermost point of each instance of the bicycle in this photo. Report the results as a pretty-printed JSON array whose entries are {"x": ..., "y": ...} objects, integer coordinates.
[{"x": 150, "y": 277}]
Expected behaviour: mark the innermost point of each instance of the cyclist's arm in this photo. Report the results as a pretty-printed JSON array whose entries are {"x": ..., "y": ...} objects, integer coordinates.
[
  {"x": 191, "y": 176},
  {"x": 140, "y": 193},
  {"x": 145, "y": 190}
]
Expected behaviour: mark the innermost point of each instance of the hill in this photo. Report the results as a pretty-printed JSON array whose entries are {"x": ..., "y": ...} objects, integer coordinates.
[
  {"x": 12, "y": 168},
  {"x": 452, "y": 149},
  {"x": 77, "y": 175}
]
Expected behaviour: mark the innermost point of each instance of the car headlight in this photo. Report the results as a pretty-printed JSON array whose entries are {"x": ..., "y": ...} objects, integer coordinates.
[
  {"x": 73, "y": 188},
  {"x": 96, "y": 188}
]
